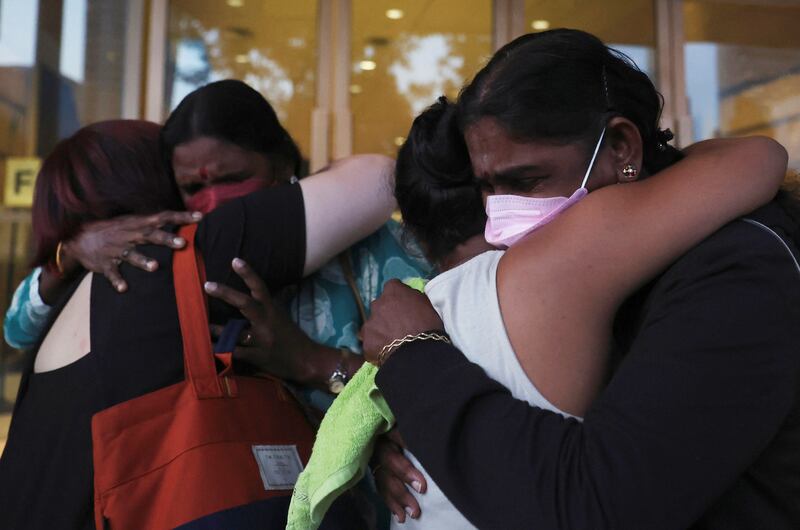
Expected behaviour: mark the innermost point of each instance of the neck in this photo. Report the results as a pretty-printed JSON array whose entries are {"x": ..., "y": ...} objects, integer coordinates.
[{"x": 464, "y": 252}]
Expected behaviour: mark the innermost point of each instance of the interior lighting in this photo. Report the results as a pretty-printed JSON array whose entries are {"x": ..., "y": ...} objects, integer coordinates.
[
  {"x": 394, "y": 14},
  {"x": 236, "y": 3},
  {"x": 242, "y": 58},
  {"x": 367, "y": 65},
  {"x": 399, "y": 140},
  {"x": 540, "y": 25},
  {"x": 356, "y": 89}
]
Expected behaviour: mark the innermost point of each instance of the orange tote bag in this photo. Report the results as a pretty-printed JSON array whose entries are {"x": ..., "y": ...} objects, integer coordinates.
[{"x": 213, "y": 443}]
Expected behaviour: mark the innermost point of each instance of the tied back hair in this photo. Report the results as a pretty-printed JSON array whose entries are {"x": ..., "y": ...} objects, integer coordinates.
[
  {"x": 435, "y": 188},
  {"x": 563, "y": 86}
]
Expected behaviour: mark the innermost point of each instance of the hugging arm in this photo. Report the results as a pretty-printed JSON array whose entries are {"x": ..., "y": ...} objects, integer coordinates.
[
  {"x": 705, "y": 387},
  {"x": 579, "y": 268},
  {"x": 345, "y": 203},
  {"x": 284, "y": 233},
  {"x": 100, "y": 247},
  {"x": 648, "y": 454}
]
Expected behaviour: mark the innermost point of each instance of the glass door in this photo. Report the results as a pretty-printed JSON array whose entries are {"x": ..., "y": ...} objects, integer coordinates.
[
  {"x": 404, "y": 55},
  {"x": 269, "y": 45}
]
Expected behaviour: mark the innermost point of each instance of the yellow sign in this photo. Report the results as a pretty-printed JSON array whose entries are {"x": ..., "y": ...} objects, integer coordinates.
[{"x": 20, "y": 180}]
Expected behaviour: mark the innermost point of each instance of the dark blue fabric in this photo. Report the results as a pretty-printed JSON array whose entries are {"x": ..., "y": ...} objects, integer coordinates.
[
  {"x": 271, "y": 513},
  {"x": 230, "y": 335}
]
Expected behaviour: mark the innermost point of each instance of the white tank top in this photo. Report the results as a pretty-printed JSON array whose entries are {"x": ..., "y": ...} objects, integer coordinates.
[{"x": 466, "y": 299}]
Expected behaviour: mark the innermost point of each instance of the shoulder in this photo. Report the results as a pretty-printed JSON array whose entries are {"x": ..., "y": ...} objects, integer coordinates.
[
  {"x": 750, "y": 242},
  {"x": 751, "y": 250}
]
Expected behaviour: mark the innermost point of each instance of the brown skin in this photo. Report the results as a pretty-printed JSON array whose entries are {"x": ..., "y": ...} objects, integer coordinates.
[
  {"x": 206, "y": 161},
  {"x": 197, "y": 164},
  {"x": 99, "y": 248},
  {"x": 546, "y": 169},
  {"x": 507, "y": 166},
  {"x": 275, "y": 344},
  {"x": 391, "y": 469},
  {"x": 565, "y": 281}
]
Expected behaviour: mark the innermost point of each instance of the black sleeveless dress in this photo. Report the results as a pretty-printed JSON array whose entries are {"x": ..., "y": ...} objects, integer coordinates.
[{"x": 46, "y": 469}]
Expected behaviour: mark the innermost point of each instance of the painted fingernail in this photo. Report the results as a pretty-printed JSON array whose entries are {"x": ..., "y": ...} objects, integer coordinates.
[
  {"x": 238, "y": 263},
  {"x": 210, "y": 286},
  {"x": 197, "y": 215},
  {"x": 410, "y": 512},
  {"x": 179, "y": 241},
  {"x": 417, "y": 485}
]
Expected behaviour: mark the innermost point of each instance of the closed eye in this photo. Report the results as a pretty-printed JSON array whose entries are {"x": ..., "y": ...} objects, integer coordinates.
[
  {"x": 526, "y": 184},
  {"x": 484, "y": 185}
]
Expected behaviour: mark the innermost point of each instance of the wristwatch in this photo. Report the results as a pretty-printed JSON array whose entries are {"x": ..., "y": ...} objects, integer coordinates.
[{"x": 339, "y": 376}]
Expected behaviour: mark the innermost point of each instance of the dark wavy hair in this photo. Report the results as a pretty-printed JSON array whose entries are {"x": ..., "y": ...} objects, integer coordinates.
[
  {"x": 563, "y": 86},
  {"x": 104, "y": 170},
  {"x": 232, "y": 111},
  {"x": 436, "y": 191}
]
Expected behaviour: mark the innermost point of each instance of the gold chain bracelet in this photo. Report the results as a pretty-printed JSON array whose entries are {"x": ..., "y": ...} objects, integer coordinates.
[{"x": 387, "y": 350}]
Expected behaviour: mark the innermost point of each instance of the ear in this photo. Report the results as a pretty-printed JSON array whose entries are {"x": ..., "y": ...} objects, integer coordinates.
[{"x": 625, "y": 147}]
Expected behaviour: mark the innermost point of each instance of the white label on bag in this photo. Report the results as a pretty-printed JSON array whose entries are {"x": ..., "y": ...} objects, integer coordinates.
[{"x": 279, "y": 465}]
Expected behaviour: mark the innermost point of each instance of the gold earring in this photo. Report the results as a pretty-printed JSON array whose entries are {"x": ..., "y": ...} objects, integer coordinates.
[{"x": 629, "y": 172}]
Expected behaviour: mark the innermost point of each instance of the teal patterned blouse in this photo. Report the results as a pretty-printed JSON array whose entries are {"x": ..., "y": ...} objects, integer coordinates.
[{"x": 324, "y": 305}]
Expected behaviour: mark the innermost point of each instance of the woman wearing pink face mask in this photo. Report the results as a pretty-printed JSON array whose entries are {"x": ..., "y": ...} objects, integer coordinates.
[{"x": 694, "y": 426}]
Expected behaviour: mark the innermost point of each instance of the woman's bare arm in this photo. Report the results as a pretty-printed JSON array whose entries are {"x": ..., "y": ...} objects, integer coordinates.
[
  {"x": 345, "y": 203},
  {"x": 560, "y": 288}
]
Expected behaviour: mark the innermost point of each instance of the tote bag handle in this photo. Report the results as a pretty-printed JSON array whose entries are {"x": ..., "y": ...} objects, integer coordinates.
[{"x": 198, "y": 359}]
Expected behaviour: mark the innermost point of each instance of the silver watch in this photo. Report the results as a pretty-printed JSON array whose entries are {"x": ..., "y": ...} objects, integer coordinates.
[{"x": 339, "y": 376}]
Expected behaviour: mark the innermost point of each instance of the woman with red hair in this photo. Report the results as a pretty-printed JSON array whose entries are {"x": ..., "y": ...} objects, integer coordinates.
[{"x": 100, "y": 348}]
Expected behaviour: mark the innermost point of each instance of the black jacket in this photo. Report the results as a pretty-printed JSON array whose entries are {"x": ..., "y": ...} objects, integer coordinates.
[{"x": 698, "y": 427}]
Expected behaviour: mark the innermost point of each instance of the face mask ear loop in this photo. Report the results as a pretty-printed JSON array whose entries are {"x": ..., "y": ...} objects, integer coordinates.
[{"x": 594, "y": 157}]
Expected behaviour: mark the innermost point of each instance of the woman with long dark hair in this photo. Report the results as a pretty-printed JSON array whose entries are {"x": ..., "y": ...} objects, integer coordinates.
[{"x": 695, "y": 426}]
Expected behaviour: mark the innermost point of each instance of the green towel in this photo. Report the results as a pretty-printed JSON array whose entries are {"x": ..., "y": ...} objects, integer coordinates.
[
  {"x": 344, "y": 444},
  {"x": 342, "y": 449}
]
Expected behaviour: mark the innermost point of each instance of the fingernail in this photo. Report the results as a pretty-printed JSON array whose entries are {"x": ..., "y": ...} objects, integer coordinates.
[
  {"x": 210, "y": 286},
  {"x": 397, "y": 518},
  {"x": 120, "y": 287},
  {"x": 238, "y": 263},
  {"x": 151, "y": 265},
  {"x": 179, "y": 241},
  {"x": 197, "y": 216},
  {"x": 417, "y": 485},
  {"x": 410, "y": 512}
]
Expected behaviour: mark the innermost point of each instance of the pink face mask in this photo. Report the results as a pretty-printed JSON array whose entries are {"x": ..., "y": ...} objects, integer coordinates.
[
  {"x": 210, "y": 197},
  {"x": 512, "y": 217}
]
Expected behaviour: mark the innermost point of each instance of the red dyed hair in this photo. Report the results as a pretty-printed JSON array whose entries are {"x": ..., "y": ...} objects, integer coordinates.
[{"x": 104, "y": 170}]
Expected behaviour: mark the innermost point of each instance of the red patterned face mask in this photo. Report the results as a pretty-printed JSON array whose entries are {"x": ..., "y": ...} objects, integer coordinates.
[{"x": 209, "y": 198}]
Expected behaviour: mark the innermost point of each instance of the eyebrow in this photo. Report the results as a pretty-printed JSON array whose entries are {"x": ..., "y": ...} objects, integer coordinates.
[{"x": 512, "y": 173}]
